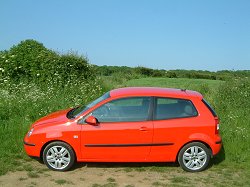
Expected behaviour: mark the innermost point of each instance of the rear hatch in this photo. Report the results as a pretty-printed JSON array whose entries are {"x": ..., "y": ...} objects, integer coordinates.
[{"x": 216, "y": 119}]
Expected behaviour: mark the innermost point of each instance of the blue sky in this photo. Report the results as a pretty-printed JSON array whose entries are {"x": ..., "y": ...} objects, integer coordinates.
[{"x": 163, "y": 34}]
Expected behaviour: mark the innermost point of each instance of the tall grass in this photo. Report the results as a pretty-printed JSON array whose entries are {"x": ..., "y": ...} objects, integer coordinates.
[
  {"x": 232, "y": 102},
  {"x": 23, "y": 103}
]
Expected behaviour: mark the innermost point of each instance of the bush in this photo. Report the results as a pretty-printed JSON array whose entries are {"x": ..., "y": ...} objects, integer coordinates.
[
  {"x": 31, "y": 61},
  {"x": 171, "y": 74},
  {"x": 144, "y": 71}
]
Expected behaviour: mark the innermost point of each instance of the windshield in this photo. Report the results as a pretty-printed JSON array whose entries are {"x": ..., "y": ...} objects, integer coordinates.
[{"x": 80, "y": 109}]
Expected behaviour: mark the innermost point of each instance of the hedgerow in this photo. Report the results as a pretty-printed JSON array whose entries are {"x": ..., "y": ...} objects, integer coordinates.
[{"x": 30, "y": 60}]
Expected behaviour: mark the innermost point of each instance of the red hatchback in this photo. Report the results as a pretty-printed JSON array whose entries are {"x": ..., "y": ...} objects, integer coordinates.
[{"x": 139, "y": 124}]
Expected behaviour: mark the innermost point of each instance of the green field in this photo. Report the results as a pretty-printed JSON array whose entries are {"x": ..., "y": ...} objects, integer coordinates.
[
  {"x": 184, "y": 83},
  {"x": 24, "y": 103},
  {"x": 26, "y": 94}
]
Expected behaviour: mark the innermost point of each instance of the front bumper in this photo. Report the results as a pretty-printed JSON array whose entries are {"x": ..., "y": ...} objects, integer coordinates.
[
  {"x": 28, "y": 144},
  {"x": 31, "y": 148}
]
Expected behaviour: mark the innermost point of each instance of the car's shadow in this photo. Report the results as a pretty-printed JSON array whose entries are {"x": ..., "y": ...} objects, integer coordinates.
[
  {"x": 124, "y": 165},
  {"x": 217, "y": 159},
  {"x": 160, "y": 166},
  {"x": 220, "y": 157}
]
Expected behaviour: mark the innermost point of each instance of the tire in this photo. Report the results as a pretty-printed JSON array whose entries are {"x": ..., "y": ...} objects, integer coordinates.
[
  {"x": 194, "y": 157},
  {"x": 58, "y": 156}
]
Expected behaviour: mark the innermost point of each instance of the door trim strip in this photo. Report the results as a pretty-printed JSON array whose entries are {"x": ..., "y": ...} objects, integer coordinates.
[{"x": 129, "y": 145}]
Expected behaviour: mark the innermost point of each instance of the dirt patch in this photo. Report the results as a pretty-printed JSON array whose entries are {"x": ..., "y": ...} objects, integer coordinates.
[{"x": 105, "y": 175}]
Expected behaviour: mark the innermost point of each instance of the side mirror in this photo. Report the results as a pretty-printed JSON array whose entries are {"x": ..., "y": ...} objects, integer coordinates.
[{"x": 91, "y": 120}]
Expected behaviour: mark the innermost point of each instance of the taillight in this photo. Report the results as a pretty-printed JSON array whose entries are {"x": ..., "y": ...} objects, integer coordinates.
[{"x": 217, "y": 125}]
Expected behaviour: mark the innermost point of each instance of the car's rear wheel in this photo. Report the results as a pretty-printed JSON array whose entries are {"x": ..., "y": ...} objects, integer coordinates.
[
  {"x": 58, "y": 156},
  {"x": 194, "y": 157}
]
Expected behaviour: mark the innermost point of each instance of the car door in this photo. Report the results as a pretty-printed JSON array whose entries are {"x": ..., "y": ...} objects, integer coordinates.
[
  {"x": 123, "y": 133},
  {"x": 173, "y": 120}
]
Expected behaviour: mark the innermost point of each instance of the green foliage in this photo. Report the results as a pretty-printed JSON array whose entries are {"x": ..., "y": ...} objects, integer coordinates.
[
  {"x": 144, "y": 71},
  {"x": 202, "y": 85},
  {"x": 35, "y": 81},
  {"x": 31, "y": 61},
  {"x": 191, "y": 74},
  {"x": 23, "y": 103},
  {"x": 110, "y": 70},
  {"x": 230, "y": 100},
  {"x": 233, "y": 106}
]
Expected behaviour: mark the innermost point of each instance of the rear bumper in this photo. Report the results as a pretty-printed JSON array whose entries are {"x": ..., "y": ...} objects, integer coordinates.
[{"x": 217, "y": 145}]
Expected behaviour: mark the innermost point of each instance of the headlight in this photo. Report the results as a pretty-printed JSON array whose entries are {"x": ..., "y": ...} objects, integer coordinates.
[{"x": 30, "y": 132}]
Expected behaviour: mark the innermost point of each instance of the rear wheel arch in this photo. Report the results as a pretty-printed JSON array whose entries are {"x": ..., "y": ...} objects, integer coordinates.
[
  {"x": 194, "y": 156},
  {"x": 199, "y": 141}
]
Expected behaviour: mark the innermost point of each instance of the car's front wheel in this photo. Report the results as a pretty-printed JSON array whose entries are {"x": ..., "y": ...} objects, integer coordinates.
[
  {"x": 58, "y": 156},
  {"x": 194, "y": 157}
]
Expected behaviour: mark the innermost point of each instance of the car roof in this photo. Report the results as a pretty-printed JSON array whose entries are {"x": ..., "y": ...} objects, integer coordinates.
[{"x": 155, "y": 91}]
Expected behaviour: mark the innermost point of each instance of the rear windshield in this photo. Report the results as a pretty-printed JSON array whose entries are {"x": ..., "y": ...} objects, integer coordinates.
[{"x": 209, "y": 107}]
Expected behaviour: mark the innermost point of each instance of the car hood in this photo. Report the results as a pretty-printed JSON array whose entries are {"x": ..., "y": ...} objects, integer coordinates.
[{"x": 53, "y": 118}]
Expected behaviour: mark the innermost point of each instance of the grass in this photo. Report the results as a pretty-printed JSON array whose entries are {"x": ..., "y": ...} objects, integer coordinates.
[
  {"x": 21, "y": 104},
  {"x": 105, "y": 185},
  {"x": 63, "y": 182},
  {"x": 32, "y": 174},
  {"x": 231, "y": 102},
  {"x": 22, "y": 178},
  {"x": 157, "y": 183},
  {"x": 110, "y": 179},
  {"x": 60, "y": 181},
  {"x": 178, "y": 179},
  {"x": 173, "y": 82},
  {"x": 206, "y": 87}
]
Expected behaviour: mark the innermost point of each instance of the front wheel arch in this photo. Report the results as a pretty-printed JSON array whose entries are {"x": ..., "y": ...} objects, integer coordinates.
[
  {"x": 47, "y": 143},
  {"x": 59, "y": 156}
]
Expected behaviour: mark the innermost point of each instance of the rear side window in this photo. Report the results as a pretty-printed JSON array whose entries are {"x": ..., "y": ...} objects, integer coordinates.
[
  {"x": 168, "y": 108},
  {"x": 209, "y": 107}
]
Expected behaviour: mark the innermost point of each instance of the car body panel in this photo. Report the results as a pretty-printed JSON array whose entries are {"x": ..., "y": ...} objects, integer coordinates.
[{"x": 116, "y": 141}]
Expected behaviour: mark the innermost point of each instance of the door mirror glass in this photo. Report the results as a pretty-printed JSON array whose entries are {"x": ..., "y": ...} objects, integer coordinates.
[{"x": 91, "y": 120}]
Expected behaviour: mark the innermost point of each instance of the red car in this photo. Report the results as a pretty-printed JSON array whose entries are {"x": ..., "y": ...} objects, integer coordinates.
[{"x": 139, "y": 124}]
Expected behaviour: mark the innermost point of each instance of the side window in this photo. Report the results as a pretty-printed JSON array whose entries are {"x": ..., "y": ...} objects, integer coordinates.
[
  {"x": 167, "y": 108},
  {"x": 124, "y": 110}
]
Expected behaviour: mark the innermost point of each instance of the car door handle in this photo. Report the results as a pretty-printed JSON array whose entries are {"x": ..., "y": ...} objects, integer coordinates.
[{"x": 143, "y": 129}]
